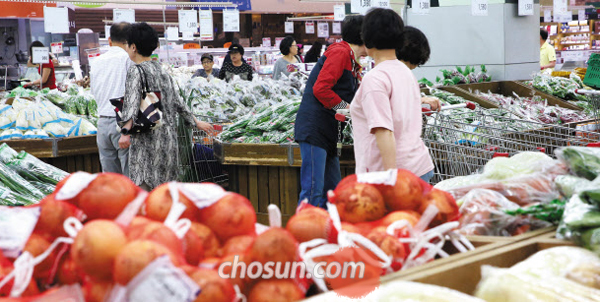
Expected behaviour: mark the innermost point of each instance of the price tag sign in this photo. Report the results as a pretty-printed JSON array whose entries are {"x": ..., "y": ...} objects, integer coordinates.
[
  {"x": 172, "y": 34},
  {"x": 547, "y": 15},
  {"x": 421, "y": 7},
  {"x": 107, "y": 31},
  {"x": 360, "y": 6},
  {"x": 581, "y": 15},
  {"x": 206, "y": 25},
  {"x": 231, "y": 20},
  {"x": 560, "y": 7},
  {"x": 289, "y": 27},
  {"x": 564, "y": 17},
  {"x": 56, "y": 20},
  {"x": 123, "y": 15},
  {"x": 323, "y": 30},
  {"x": 380, "y": 3},
  {"x": 188, "y": 21},
  {"x": 56, "y": 47},
  {"x": 339, "y": 12},
  {"x": 188, "y": 35},
  {"x": 40, "y": 55},
  {"x": 336, "y": 28},
  {"x": 310, "y": 27},
  {"x": 479, "y": 7},
  {"x": 278, "y": 42},
  {"x": 266, "y": 42},
  {"x": 525, "y": 7}
]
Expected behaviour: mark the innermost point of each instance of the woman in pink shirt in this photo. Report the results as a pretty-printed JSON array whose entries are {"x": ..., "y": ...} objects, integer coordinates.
[{"x": 386, "y": 111}]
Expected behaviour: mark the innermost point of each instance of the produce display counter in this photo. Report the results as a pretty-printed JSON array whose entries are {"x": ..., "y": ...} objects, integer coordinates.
[
  {"x": 70, "y": 154},
  {"x": 463, "y": 272},
  {"x": 269, "y": 174}
]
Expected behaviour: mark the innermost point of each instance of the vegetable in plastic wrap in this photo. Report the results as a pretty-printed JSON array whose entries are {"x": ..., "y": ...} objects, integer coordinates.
[
  {"x": 34, "y": 169},
  {"x": 10, "y": 198},
  {"x": 92, "y": 107},
  {"x": 582, "y": 161},
  {"x": 519, "y": 164},
  {"x": 577, "y": 217},
  {"x": 569, "y": 184},
  {"x": 16, "y": 183},
  {"x": 551, "y": 212}
]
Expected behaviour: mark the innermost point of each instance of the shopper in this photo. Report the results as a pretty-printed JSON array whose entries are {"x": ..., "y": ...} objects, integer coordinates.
[
  {"x": 236, "y": 66},
  {"x": 207, "y": 70},
  {"x": 386, "y": 111},
  {"x": 153, "y": 156},
  {"x": 107, "y": 81},
  {"x": 289, "y": 50},
  {"x": 314, "y": 53},
  {"x": 301, "y": 53},
  {"x": 331, "y": 85},
  {"x": 415, "y": 52},
  {"x": 46, "y": 70},
  {"x": 547, "y": 52}
]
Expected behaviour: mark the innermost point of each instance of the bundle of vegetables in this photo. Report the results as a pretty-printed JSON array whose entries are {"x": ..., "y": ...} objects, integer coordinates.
[
  {"x": 535, "y": 108},
  {"x": 555, "y": 274},
  {"x": 558, "y": 86},
  {"x": 468, "y": 75},
  {"x": 22, "y": 92},
  {"x": 40, "y": 119},
  {"x": 267, "y": 124}
]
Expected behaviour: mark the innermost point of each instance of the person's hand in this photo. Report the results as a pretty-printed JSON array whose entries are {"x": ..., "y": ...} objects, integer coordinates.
[
  {"x": 124, "y": 141},
  {"x": 434, "y": 103},
  {"x": 204, "y": 126}
]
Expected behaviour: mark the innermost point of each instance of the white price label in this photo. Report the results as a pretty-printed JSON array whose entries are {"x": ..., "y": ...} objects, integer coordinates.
[
  {"x": 289, "y": 27},
  {"x": 361, "y": 6},
  {"x": 421, "y": 7},
  {"x": 547, "y": 15},
  {"x": 16, "y": 225},
  {"x": 525, "y": 7},
  {"x": 278, "y": 42},
  {"x": 206, "y": 25},
  {"x": 56, "y": 20},
  {"x": 323, "y": 30},
  {"x": 336, "y": 28},
  {"x": 123, "y": 15},
  {"x": 339, "y": 12},
  {"x": 560, "y": 7},
  {"x": 231, "y": 20},
  {"x": 479, "y": 7},
  {"x": 107, "y": 31},
  {"x": 188, "y": 21},
  {"x": 562, "y": 18},
  {"x": 40, "y": 55},
  {"x": 581, "y": 15},
  {"x": 380, "y": 3},
  {"x": 57, "y": 47},
  {"x": 388, "y": 177},
  {"x": 310, "y": 27},
  {"x": 266, "y": 42},
  {"x": 187, "y": 36},
  {"x": 172, "y": 34}
]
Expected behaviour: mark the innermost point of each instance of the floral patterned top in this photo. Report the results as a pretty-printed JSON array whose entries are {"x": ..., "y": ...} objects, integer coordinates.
[{"x": 153, "y": 156}]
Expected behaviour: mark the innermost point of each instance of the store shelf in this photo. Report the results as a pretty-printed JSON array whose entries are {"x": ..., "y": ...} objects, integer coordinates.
[
  {"x": 574, "y": 43},
  {"x": 574, "y": 33}
]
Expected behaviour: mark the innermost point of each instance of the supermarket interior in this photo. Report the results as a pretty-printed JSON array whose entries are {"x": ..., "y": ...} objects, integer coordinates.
[{"x": 299, "y": 150}]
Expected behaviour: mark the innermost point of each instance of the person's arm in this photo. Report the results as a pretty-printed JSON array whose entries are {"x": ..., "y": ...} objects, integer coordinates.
[
  {"x": 332, "y": 71},
  {"x": 132, "y": 97},
  {"x": 551, "y": 65},
  {"x": 277, "y": 69},
  {"x": 250, "y": 71},
  {"x": 386, "y": 142},
  {"x": 222, "y": 72},
  {"x": 44, "y": 78}
]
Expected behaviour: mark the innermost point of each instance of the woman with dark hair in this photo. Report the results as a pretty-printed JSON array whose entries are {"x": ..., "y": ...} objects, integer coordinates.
[
  {"x": 237, "y": 65},
  {"x": 331, "y": 85},
  {"x": 386, "y": 111},
  {"x": 289, "y": 50},
  {"x": 314, "y": 53},
  {"x": 153, "y": 155},
  {"x": 46, "y": 70}
]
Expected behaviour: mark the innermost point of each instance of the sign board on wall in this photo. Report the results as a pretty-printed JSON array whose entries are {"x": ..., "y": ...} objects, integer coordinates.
[
  {"x": 323, "y": 30},
  {"x": 525, "y": 7},
  {"x": 206, "y": 25},
  {"x": 336, "y": 28},
  {"x": 421, "y": 7},
  {"x": 123, "y": 15},
  {"x": 231, "y": 20},
  {"x": 289, "y": 27},
  {"x": 310, "y": 27},
  {"x": 56, "y": 20},
  {"x": 479, "y": 7}
]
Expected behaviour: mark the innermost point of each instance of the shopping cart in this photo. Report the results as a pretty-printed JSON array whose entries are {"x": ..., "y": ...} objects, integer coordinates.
[
  {"x": 197, "y": 162},
  {"x": 594, "y": 106}
]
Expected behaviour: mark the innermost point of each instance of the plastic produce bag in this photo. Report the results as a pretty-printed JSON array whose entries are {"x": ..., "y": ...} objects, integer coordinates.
[
  {"x": 579, "y": 215},
  {"x": 16, "y": 183},
  {"x": 56, "y": 130},
  {"x": 33, "y": 168},
  {"x": 482, "y": 213},
  {"x": 569, "y": 185},
  {"x": 11, "y": 134},
  {"x": 582, "y": 161},
  {"x": 519, "y": 164},
  {"x": 7, "y": 153}
]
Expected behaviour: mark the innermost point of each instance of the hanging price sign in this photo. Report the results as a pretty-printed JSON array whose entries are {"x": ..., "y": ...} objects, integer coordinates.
[
  {"x": 40, "y": 55},
  {"x": 360, "y": 6},
  {"x": 479, "y": 7},
  {"x": 323, "y": 30},
  {"x": 266, "y": 42},
  {"x": 231, "y": 20},
  {"x": 188, "y": 21},
  {"x": 289, "y": 27},
  {"x": 581, "y": 15},
  {"x": 339, "y": 12},
  {"x": 421, "y": 7},
  {"x": 525, "y": 7},
  {"x": 380, "y": 3},
  {"x": 310, "y": 27},
  {"x": 560, "y": 7},
  {"x": 57, "y": 47},
  {"x": 336, "y": 28},
  {"x": 206, "y": 25},
  {"x": 547, "y": 15},
  {"x": 56, "y": 20},
  {"x": 123, "y": 15},
  {"x": 172, "y": 34}
]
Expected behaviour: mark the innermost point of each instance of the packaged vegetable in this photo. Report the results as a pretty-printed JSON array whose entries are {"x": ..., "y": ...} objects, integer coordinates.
[
  {"x": 579, "y": 215},
  {"x": 582, "y": 161},
  {"x": 551, "y": 212},
  {"x": 16, "y": 183},
  {"x": 26, "y": 164},
  {"x": 568, "y": 184}
]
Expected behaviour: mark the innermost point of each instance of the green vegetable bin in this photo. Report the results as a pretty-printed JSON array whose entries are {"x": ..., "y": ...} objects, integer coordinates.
[{"x": 592, "y": 75}]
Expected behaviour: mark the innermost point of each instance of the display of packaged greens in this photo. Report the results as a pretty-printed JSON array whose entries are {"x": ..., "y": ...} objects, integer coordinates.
[
  {"x": 71, "y": 105},
  {"x": 569, "y": 184},
  {"x": 579, "y": 215},
  {"x": 92, "y": 107},
  {"x": 551, "y": 212},
  {"x": 46, "y": 188},
  {"x": 590, "y": 239},
  {"x": 10, "y": 198},
  {"x": 582, "y": 161},
  {"x": 34, "y": 169},
  {"x": 81, "y": 105},
  {"x": 7, "y": 153},
  {"x": 12, "y": 180}
]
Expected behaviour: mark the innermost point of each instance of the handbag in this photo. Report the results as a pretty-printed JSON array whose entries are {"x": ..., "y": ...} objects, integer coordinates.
[{"x": 149, "y": 116}]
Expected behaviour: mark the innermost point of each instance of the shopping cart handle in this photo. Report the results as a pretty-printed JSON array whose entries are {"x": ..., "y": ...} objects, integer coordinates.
[
  {"x": 340, "y": 117},
  {"x": 494, "y": 148},
  {"x": 471, "y": 106},
  {"x": 426, "y": 111},
  {"x": 543, "y": 150},
  {"x": 500, "y": 154},
  {"x": 218, "y": 127},
  {"x": 593, "y": 145}
]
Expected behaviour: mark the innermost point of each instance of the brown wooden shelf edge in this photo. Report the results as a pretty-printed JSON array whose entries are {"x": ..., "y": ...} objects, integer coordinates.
[{"x": 56, "y": 147}]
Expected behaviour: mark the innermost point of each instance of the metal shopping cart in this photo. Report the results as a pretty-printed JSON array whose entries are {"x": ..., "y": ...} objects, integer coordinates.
[
  {"x": 593, "y": 108},
  {"x": 196, "y": 157}
]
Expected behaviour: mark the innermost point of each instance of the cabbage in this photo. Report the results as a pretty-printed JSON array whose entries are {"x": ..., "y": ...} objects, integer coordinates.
[
  {"x": 500, "y": 168},
  {"x": 459, "y": 181}
]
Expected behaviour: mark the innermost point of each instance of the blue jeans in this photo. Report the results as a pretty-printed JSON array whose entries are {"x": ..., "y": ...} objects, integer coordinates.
[
  {"x": 319, "y": 173},
  {"x": 427, "y": 176}
]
